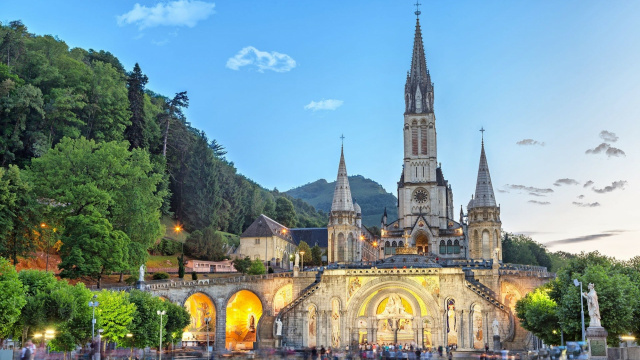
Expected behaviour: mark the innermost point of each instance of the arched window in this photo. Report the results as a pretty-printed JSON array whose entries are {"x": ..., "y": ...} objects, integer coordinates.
[
  {"x": 414, "y": 141},
  {"x": 400, "y": 244},
  {"x": 387, "y": 244},
  {"x": 443, "y": 247},
  {"x": 456, "y": 247},
  {"x": 449, "y": 247},
  {"x": 394, "y": 244}
]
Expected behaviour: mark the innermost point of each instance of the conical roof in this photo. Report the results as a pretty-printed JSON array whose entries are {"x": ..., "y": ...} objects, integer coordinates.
[
  {"x": 484, "y": 189},
  {"x": 342, "y": 193}
]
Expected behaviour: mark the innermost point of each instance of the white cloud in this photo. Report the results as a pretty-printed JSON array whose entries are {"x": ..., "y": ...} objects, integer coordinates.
[
  {"x": 263, "y": 60},
  {"x": 329, "y": 104},
  {"x": 173, "y": 13}
]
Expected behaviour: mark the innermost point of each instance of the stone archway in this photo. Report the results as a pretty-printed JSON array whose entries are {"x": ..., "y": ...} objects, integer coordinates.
[
  {"x": 405, "y": 306},
  {"x": 244, "y": 310},
  {"x": 422, "y": 242},
  {"x": 202, "y": 327}
]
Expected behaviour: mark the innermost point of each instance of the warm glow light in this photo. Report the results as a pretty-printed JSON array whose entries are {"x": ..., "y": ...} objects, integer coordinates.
[
  {"x": 178, "y": 228},
  {"x": 361, "y": 237},
  {"x": 244, "y": 310},
  {"x": 129, "y": 335},
  {"x": 43, "y": 225},
  {"x": 37, "y": 335},
  {"x": 375, "y": 244},
  {"x": 48, "y": 332},
  {"x": 301, "y": 252},
  {"x": 627, "y": 337},
  {"x": 284, "y": 231}
]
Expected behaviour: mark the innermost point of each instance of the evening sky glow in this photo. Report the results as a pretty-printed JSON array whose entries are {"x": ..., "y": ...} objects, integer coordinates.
[{"x": 555, "y": 84}]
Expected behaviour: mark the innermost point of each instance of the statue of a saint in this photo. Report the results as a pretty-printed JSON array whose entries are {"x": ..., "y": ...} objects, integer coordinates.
[
  {"x": 278, "y": 327},
  {"x": 297, "y": 262},
  {"x": 496, "y": 327},
  {"x": 141, "y": 274},
  {"x": 594, "y": 308}
]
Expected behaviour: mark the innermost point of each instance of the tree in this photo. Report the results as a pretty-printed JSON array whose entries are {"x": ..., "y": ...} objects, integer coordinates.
[
  {"x": 135, "y": 132},
  {"x": 256, "y": 268},
  {"x": 285, "y": 213},
  {"x": 20, "y": 214},
  {"x": 90, "y": 247},
  {"x": 242, "y": 265},
  {"x": 145, "y": 326},
  {"x": 206, "y": 245},
  {"x": 521, "y": 249},
  {"x": 12, "y": 298},
  {"x": 181, "y": 266},
  {"x": 538, "y": 313},
  {"x": 75, "y": 330},
  {"x": 307, "y": 257},
  {"x": 177, "y": 320},
  {"x": 174, "y": 111},
  {"x": 316, "y": 255},
  {"x": 115, "y": 314}
]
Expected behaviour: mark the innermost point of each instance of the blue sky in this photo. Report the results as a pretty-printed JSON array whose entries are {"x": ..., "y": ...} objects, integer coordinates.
[{"x": 278, "y": 82}]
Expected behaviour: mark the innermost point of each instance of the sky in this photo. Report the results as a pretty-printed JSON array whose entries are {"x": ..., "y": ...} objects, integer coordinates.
[{"x": 556, "y": 85}]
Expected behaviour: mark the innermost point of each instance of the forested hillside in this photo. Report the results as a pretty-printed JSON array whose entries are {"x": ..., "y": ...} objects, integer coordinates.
[
  {"x": 88, "y": 152},
  {"x": 370, "y": 195}
]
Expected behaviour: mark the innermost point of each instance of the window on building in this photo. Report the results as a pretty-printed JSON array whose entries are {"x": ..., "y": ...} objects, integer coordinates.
[
  {"x": 387, "y": 244},
  {"x": 400, "y": 244},
  {"x": 257, "y": 242},
  {"x": 449, "y": 247},
  {"x": 456, "y": 247},
  {"x": 394, "y": 244},
  {"x": 443, "y": 247}
]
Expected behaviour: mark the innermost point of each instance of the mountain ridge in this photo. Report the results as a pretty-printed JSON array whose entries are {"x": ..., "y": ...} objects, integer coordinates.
[{"x": 370, "y": 195}]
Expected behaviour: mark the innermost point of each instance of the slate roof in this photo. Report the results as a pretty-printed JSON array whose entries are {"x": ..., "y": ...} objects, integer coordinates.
[
  {"x": 311, "y": 236},
  {"x": 264, "y": 226},
  {"x": 484, "y": 189}
]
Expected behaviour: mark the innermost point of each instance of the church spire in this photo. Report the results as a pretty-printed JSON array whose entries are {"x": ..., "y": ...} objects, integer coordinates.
[
  {"x": 342, "y": 193},
  {"x": 484, "y": 190},
  {"x": 418, "y": 92}
]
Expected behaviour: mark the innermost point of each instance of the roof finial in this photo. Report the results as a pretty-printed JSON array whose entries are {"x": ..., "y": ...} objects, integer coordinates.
[
  {"x": 342, "y": 138},
  {"x": 482, "y": 130},
  {"x": 417, "y": 4}
]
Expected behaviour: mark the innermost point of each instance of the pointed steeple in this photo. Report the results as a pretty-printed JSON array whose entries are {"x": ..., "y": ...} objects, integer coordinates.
[
  {"x": 418, "y": 92},
  {"x": 484, "y": 189},
  {"x": 342, "y": 193}
]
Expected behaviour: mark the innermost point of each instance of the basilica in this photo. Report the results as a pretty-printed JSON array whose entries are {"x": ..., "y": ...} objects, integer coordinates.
[{"x": 430, "y": 279}]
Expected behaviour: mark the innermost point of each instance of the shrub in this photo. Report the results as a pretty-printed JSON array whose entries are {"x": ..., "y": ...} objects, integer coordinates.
[
  {"x": 131, "y": 280},
  {"x": 167, "y": 247},
  {"x": 160, "y": 276},
  {"x": 194, "y": 276}
]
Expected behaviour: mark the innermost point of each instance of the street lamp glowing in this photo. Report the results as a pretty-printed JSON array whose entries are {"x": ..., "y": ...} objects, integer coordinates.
[
  {"x": 43, "y": 225},
  {"x": 302, "y": 260},
  {"x": 129, "y": 335},
  {"x": 177, "y": 228},
  {"x": 160, "y": 346}
]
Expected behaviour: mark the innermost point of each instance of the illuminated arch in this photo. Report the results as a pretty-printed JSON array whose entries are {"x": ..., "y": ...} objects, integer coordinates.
[
  {"x": 282, "y": 298},
  {"x": 244, "y": 310},
  {"x": 200, "y": 308}
]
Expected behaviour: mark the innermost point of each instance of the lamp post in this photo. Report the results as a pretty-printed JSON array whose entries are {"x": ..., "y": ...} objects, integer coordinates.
[
  {"x": 160, "y": 347},
  {"x": 94, "y": 304},
  {"x": 579, "y": 283},
  {"x": 302, "y": 260},
  {"x": 129, "y": 336},
  {"x": 375, "y": 247},
  {"x": 207, "y": 320}
]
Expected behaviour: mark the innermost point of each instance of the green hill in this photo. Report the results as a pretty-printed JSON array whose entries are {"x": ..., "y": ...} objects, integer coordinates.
[{"x": 370, "y": 195}]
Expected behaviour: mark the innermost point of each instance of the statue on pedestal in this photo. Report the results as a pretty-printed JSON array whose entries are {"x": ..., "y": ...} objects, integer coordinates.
[
  {"x": 297, "y": 261},
  {"x": 278, "y": 327},
  {"x": 496, "y": 327},
  {"x": 141, "y": 274},
  {"x": 594, "y": 308}
]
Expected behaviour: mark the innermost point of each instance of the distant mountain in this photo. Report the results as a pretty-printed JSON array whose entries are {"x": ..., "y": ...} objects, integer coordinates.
[{"x": 370, "y": 195}]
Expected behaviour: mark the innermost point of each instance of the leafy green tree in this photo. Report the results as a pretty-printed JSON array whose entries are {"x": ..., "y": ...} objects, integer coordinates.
[
  {"x": 145, "y": 326},
  {"x": 538, "y": 313},
  {"x": 308, "y": 256},
  {"x": 242, "y": 265},
  {"x": 92, "y": 248},
  {"x": 174, "y": 113},
  {"x": 20, "y": 214},
  {"x": 75, "y": 330},
  {"x": 177, "y": 320},
  {"x": 115, "y": 314},
  {"x": 316, "y": 255},
  {"x": 256, "y": 268},
  {"x": 135, "y": 132},
  {"x": 285, "y": 213},
  {"x": 521, "y": 249},
  {"x": 20, "y": 106},
  {"x": 12, "y": 298},
  {"x": 206, "y": 245}
]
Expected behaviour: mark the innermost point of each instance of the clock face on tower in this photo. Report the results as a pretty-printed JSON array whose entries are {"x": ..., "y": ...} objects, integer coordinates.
[{"x": 420, "y": 196}]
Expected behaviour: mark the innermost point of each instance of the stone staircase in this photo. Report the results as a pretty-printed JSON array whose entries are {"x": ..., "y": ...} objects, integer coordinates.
[
  {"x": 305, "y": 293},
  {"x": 491, "y": 297}
]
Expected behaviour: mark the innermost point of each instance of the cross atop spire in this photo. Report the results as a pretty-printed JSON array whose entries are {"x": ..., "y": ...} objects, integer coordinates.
[
  {"x": 342, "y": 138},
  {"x": 418, "y": 92},
  {"x": 482, "y": 130},
  {"x": 417, "y": 5}
]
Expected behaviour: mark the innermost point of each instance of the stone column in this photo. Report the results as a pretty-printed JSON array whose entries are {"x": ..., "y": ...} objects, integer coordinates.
[
  {"x": 221, "y": 324},
  {"x": 597, "y": 338},
  {"x": 461, "y": 336}
]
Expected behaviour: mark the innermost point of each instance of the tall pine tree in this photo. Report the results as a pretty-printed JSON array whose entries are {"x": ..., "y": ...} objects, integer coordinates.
[{"x": 135, "y": 131}]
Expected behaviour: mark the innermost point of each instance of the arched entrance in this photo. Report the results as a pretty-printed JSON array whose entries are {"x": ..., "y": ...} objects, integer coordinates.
[
  {"x": 283, "y": 297},
  {"x": 422, "y": 243},
  {"x": 394, "y": 321},
  {"x": 244, "y": 310},
  {"x": 203, "y": 321}
]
